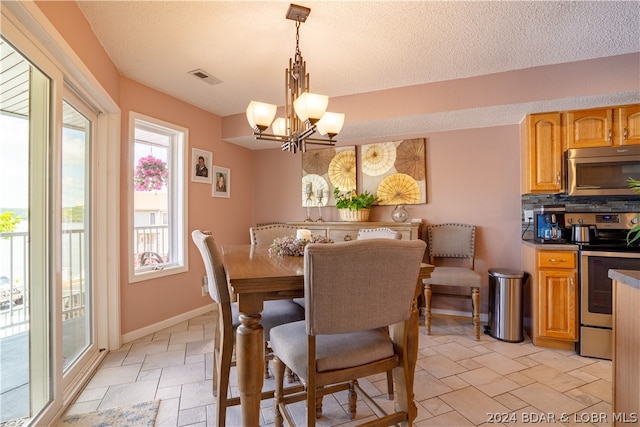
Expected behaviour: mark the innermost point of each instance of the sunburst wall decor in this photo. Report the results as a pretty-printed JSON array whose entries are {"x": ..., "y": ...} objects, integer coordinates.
[
  {"x": 326, "y": 169},
  {"x": 395, "y": 171}
]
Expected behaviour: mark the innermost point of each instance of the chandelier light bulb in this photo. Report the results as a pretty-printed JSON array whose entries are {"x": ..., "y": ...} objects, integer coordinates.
[
  {"x": 330, "y": 124},
  {"x": 279, "y": 127},
  {"x": 310, "y": 106},
  {"x": 260, "y": 115}
]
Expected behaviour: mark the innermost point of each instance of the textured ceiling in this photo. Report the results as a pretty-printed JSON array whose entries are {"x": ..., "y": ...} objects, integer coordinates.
[{"x": 350, "y": 46}]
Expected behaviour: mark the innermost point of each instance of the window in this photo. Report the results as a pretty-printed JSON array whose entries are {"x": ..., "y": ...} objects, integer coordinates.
[{"x": 158, "y": 190}]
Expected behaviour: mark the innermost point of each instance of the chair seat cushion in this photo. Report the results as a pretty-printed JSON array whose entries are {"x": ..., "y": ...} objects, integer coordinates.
[
  {"x": 454, "y": 276},
  {"x": 274, "y": 313},
  {"x": 289, "y": 343}
]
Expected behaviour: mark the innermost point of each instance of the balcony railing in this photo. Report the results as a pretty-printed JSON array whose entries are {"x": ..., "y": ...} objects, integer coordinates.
[{"x": 14, "y": 272}]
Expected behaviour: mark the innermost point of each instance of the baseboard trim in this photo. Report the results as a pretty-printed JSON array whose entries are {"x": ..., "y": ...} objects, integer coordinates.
[{"x": 142, "y": 332}]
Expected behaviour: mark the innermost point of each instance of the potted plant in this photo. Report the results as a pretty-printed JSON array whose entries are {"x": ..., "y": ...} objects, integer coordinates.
[
  {"x": 151, "y": 174},
  {"x": 634, "y": 233},
  {"x": 353, "y": 206}
]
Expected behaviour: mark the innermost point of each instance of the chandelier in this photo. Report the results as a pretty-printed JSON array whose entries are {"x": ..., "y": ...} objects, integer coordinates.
[{"x": 305, "y": 112}]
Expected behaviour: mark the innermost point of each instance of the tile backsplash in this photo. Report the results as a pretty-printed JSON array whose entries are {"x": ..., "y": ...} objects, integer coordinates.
[{"x": 577, "y": 204}]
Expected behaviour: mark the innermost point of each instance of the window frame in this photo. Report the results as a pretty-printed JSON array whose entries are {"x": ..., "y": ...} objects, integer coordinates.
[{"x": 177, "y": 199}]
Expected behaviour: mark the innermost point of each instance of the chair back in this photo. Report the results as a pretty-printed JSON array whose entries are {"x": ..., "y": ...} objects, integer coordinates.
[
  {"x": 378, "y": 233},
  {"x": 216, "y": 278},
  {"x": 264, "y": 235},
  {"x": 360, "y": 285},
  {"x": 451, "y": 241}
]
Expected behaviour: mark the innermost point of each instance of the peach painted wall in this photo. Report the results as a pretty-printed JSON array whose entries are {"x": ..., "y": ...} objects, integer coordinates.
[
  {"x": 473, "y": 176},
  {"x": 74, "y": 28},
  {"x": 151, "y": 301},
  {"x": 148, "y": 302}
]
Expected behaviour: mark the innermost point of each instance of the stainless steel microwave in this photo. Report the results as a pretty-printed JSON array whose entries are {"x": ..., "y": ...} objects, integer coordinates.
[{"x": 602, "y": 171}]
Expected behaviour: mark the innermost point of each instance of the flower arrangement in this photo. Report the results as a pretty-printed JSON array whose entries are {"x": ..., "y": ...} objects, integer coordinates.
[
  {"x": 352, "y": 200},
  {"x": 292, "y": 246},
  {"x": 151, "y": 174}
]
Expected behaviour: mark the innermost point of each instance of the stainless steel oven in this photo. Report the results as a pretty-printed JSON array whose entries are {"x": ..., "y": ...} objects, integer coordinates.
[
  {"x": 606, "y": 250},
  {"x": 596, "y": 303}
]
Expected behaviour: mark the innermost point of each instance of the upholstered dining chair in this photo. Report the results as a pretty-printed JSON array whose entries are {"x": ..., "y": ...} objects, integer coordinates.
[
  {"x": 274, "y": 313},
  {"x": 344, "y": 336},
  {"x": 381, "y": 233},
  {"x": 453, "y": 241},
  {"x": 264, "y": 234},
  {"x": 378, "y": 233}
]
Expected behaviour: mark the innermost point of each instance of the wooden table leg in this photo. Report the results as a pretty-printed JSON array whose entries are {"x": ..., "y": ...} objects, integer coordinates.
[
  {"x": 475, "y": 299},
  {"x": 250, "y": 360}
]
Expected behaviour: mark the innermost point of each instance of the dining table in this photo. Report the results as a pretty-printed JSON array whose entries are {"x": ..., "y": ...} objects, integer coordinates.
[{"x": 255, "y": 275}]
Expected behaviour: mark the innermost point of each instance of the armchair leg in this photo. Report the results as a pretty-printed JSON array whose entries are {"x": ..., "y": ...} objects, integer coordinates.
[
  {"x": 390, "y": 385},
  {"x": 278, "y": 368},
  {"x": 475, "y": 299},
  {"x": 427, "y": 306},
  {"x": 353, "y": 397}
]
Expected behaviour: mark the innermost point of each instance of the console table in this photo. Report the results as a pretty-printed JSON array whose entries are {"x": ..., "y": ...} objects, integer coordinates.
[{"x": 339, "y": 231}]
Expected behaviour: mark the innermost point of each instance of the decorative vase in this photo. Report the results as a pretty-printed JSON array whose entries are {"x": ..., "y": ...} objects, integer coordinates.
[
  {"x": 354, "y": 216},
  {"x": 399, "y": 214}
]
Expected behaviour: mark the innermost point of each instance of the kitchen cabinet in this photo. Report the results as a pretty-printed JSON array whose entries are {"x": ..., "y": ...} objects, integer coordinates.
[
  {"x": 340, "y": 231},
  {"x": 551, "y": 297},
  {"x": 603, "y": 127},
  {"x": 626, "y": 346},
  {"x": 542, "y": 165},
  {"x": 628, "y": 125}
]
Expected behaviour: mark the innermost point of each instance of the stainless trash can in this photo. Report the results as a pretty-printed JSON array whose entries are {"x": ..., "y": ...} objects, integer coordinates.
[{"x": 505, "y": 304}]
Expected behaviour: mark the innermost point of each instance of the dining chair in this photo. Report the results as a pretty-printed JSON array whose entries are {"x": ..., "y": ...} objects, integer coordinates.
[
  {"x": 378, "y": 233},
  {"x": 381, "y": 233},
  {"x": 274, "y": 313},
  {"x": 264, "y": 234},
  {"x": 344, "y": 336},
  {"x": 455, "y": 242}
]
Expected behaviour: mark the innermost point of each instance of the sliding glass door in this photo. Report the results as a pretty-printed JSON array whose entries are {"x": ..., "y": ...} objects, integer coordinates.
[
  {"x": 76, "y": 284},
  {"x": 25, "y": 263},
  {"x": 48, "y": 327}
]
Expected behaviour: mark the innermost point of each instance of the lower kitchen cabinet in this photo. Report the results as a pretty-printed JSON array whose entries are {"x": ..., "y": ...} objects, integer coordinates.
[
  {"x": 626, "y": 347},
  {"x": 551, "y": 296}
]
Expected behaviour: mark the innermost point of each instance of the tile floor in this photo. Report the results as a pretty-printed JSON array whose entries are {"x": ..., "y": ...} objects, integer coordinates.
[{"x": 459, "y": 381}]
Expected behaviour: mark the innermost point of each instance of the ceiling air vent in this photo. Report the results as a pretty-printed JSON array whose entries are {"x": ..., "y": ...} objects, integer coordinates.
[{"x": 205, "y": 77}]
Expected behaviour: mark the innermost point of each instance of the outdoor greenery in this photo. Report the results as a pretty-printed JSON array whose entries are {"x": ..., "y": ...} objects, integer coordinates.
[
  {"x": 8, "y": 222},
  {"x": 352, "y": 200}
]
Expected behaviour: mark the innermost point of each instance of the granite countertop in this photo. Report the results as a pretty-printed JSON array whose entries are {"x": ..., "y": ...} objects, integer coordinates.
[
  {"x": 554, "y": 246},
  {"x": 628, "y": 277}
]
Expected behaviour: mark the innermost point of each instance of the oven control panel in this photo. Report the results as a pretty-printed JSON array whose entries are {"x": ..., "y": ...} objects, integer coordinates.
[{"x": 604, "y": 220}]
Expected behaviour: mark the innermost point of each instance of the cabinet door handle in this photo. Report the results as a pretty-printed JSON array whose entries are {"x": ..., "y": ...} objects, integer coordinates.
[
  {"x": 558, "y": 178},
  {"x": 347, "y": 238},
  {"x": 571, "y": 284},
  {"x": 610, "y": 135},
  {"x": 624, "y": 134}
]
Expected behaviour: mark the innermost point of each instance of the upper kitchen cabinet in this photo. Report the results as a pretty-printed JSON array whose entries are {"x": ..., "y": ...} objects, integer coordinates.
[
  {"x": 628, "y": 129},
  {"x": 542, "y": 162},
  {"x": 603, "y": 127}
]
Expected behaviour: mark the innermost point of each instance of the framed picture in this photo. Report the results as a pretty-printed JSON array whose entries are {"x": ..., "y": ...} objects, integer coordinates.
[
  {"x": 395, "y": 171},
  {"x": 200, "y": 164},
  {"x": 325, "y": 169},
  {"x": 221, "y": 182}
]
